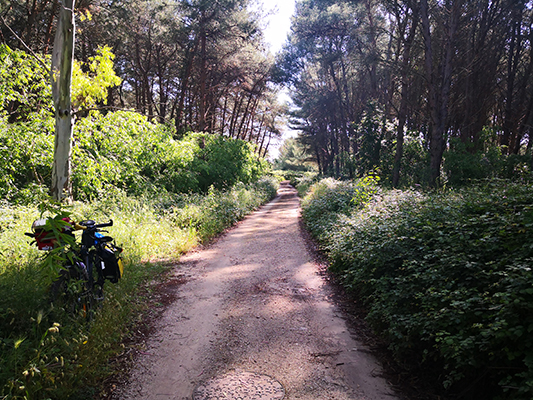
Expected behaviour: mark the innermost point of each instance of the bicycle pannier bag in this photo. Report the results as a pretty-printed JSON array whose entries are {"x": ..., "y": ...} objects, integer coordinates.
[
  {"x": 46, "y": 240},
  {"x": 112, "y": 266}
]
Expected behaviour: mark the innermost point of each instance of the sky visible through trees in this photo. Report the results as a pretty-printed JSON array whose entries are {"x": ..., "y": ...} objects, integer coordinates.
[
  {"x": 277, "y": 29},
  {"x": 279, "y": 22}
]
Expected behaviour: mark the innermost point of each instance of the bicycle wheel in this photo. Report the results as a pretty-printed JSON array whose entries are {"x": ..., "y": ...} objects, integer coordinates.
[
  {"x": 72, "y": 291},
  {"x": 94, "y": 270}
]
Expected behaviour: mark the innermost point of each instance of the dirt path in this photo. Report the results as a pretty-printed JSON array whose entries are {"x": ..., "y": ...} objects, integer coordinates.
[{"x": 255, "y": 313}]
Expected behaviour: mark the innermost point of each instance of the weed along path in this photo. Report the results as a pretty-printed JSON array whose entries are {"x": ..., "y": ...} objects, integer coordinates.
[{"x": 254, "y": 321}]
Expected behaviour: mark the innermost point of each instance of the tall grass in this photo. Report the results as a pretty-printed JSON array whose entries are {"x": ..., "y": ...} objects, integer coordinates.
[{"x": 45, "y": 354}]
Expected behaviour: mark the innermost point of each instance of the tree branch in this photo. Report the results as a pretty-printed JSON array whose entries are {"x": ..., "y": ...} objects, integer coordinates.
[{"x": 25, "y": 45}]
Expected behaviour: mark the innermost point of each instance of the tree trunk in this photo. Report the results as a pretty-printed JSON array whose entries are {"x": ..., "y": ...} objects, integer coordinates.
[
  {"x": 512, "y": 63},
  {"x": 48, "y": 35},
  {"x": 245, "y": 115},
  {"x": 235, "y": 115},
  {"x": 203, "y": 78},
  {"x": 402, "y": 113},
  {"x": 224, "y": 110},
  {"x": 185, "y": 85},
  {"x": 438, "y": 95},
  {"x": 62, "y": 59},
  {"x": 267, "y": 145}
]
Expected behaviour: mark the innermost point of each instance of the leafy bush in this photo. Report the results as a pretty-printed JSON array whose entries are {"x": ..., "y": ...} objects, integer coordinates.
[
  {"x": 464, "y": 164},
  {"x": 415, "y": 161},
  {"x": 125, "y": 150},
  {"x": 121, "y": 150},
  {"x": 25, "y": 90},
  {"x": 446, "y": 278},
  {"x": 221, "y": 162},
  {"x": 330, "y": 199},
  {"x": 304, "y": 183},
  {"x": 26, "y": 153}
]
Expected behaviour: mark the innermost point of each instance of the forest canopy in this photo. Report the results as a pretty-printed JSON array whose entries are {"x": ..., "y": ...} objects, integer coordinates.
[
  {"x": 421, "y": 92},
  {"x": 196, "y": 65}
]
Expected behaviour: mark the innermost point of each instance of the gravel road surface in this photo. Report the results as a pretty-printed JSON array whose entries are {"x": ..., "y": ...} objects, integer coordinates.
[{"x": 254, "y": 320}]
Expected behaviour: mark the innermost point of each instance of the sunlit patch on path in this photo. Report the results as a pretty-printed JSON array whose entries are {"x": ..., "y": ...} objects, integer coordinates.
[{"x": 240, "y": 385}]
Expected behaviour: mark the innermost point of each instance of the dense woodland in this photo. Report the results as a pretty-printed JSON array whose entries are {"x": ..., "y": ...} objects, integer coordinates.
[
  {"x": 198, "y": 65},
  {"x": 427, "y": 92},
  {"x": 399, "y": 86},
  {"x": 175, "y": 106}
]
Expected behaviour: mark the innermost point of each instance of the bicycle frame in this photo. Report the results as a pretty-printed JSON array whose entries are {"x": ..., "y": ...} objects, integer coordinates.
[{"x": 88, "y": 260}]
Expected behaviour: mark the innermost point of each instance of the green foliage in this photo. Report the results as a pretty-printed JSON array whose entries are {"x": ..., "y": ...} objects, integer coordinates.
[
  {"x": 90, "y": 88},
  {"x": 25, "y": 89},
  {"x": 446, "y": 278},
  {"x": 298, "y": 179},
  {"x": 46, "y": 354},
  {"x": 26, "y": 154},
  {"x": 293, "y": 157},
  {"x": 56, "y": 217},
  {"x": 370, "y": 135},
  {"x": 221, "y": 162},
  {"x": 463, "y": 163},
  {"x": 122, "y": 150},
  {"x": 125, "y": 150},
  {"x": 415, "y": 161},
  {"x": 329, "y": 199},
  {"x": 304, "y": 182},
  {"x": 208, "y": 215}
]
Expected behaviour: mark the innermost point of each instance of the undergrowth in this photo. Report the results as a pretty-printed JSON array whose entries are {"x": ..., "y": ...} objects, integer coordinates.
[
  {"x": 47, "y": 355},
  {"x": 446, "y": 277}
]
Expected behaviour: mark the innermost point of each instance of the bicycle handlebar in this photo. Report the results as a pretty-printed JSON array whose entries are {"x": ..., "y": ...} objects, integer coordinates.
[
  {"x": 46, "y": 240},
  {"x": 91, "y": 225},
  {"x": 110, "y": 223}
]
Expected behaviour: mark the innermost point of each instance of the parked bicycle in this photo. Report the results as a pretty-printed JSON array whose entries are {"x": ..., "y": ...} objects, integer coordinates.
[{"x": 86, "y": 265}]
